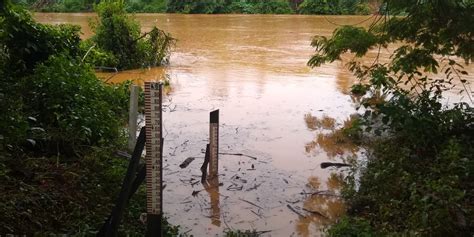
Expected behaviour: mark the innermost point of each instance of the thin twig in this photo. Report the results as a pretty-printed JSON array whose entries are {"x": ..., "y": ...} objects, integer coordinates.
[
  {"x": 251, "y": 203},
  {"x": 238, "y": 154},
  {"x": 292, "y": 209},
  {"x": 358, "y": 23},
  {"x": 315, "y": 213}
]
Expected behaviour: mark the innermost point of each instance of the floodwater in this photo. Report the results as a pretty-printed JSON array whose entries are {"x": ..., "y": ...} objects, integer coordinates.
[{"x": 272, "y": 107}]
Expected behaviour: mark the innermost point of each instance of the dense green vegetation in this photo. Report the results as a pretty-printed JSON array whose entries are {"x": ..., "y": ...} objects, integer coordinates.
[
  {"x": 60, "y": 127},
  {"x": 223, "y": 6},
  {"x": 214, "y": 6},
  {"x": 119, "y": 40},
  {"x": 419, "y": 174}
]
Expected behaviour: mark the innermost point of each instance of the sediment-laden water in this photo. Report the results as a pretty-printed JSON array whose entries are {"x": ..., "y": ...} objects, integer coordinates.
[{"x": 272, "y": 107}]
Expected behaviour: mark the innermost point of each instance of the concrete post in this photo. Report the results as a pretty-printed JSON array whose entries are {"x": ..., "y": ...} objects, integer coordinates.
[{"x": 133, "y": 117}]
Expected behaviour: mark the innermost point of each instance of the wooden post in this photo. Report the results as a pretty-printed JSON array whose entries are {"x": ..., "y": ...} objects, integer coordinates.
[
  {"x": 110, "y": 227},
  {"x": 132, "y": 117},
  {"x": 154, "y": 157},
  {"x": 214, "y": 144}
]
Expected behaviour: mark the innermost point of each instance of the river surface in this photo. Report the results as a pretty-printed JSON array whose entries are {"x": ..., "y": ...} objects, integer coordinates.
[{"x": 272, "y": 107}]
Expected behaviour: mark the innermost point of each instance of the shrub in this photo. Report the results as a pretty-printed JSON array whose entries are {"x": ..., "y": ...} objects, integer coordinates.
[
  {"x": 334, "y": 7},
  {"x": 118, "y": 34},
  {"x": 418, "y": 176},
  {"x": 352, "y": 227},
  {"x": 71, "y": 106},
  {"x": 316, "y": 7},
  {"x": 273, "y": 7},
  {"x": 27, "y": 42},
  {"x": 242, "y": 7},
  {"x": 95, "y": 55},
  {"x": 59, "y": 129},
  {"x": 146, "y": 6}
]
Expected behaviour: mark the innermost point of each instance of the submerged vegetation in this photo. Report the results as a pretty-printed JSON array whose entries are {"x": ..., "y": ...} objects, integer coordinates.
[
  {"x": 330, "y": 7},
  {"x": 61, "y": 126},
  {"x": 419, "y": 174},
  {"x": 119, "y": 37}
]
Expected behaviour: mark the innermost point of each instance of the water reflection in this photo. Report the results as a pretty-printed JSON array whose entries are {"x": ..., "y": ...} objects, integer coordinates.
[
  {"x": 344, "y": 78},
  {"x": 321, "y": 207},
  {"x": 330, "y": 140},
  {"x": 212, "y": 188},
  {"x": 314, "y": 123}
]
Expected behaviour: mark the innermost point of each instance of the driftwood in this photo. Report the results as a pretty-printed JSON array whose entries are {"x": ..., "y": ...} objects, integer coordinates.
[
  {"x": 254, "y": 187},
  {"x": 324, "y": 165},
  {"x": 186, "y": 162},
  {"x": 295, "y": 211},
  {"x": 106, "y": 69},
  {"x": 195, "y": 193},
  {"x": 236, "y": 154},
  {"x": 315, "y": 213},
  {"x": 260, "y": 216},
  {"x": 123, "y": 154},
  {"x": 251, "y": 203},
  {"x": 235, "y": 187},
  {"x": 322, "y": 193}
]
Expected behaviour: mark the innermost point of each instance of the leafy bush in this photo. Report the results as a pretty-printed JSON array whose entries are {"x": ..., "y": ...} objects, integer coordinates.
[
  {"x": 315, "y": 7},
  {"x": 119, "y": 35},
  {"x": 48, "y": 96},
  {"x": 95, "y": 55},
  {"x": 242, "y": 7},
  {"x": 24, "y": 44},
  {"x": 337, "y": 7},
  {"x": 352, "y": 227},
  {"x": 418, "y": 178},
  {"x": 59, "y": 129},
  {"x": 273, "y": 7},
  {"x": 146, "y": 6},
  {"x": 73, "y": 6},
  {"x": 27, "y": 42},
  {"x": 72, "y": 106},
  {"x": 200, "y": 6}
]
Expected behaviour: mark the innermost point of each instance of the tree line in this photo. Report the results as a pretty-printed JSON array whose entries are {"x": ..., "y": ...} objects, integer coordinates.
[{"x": 329, "y": 7}]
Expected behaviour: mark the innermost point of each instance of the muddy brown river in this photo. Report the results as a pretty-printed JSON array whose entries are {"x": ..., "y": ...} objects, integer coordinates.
[{"x": 272, "y": 107}]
